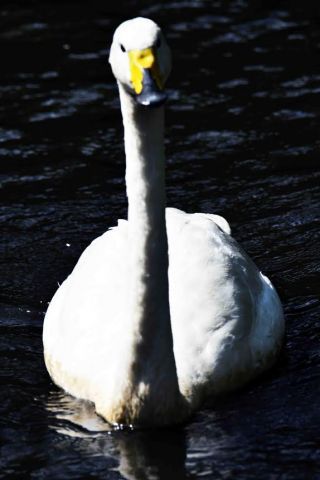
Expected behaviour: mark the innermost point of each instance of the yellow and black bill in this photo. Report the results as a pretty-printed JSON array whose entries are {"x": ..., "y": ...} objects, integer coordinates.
[{"x": 146, "y": 78}]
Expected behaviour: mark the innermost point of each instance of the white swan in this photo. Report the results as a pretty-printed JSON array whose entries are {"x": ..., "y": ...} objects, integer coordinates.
[{"x": 146, "y": 344}]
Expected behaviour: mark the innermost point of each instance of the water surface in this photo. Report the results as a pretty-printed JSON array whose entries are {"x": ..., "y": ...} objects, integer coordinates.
[{"x": 242, "y": 141}]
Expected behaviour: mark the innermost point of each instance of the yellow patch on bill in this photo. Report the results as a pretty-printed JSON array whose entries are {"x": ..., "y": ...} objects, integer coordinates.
[{"x": 140, "y": 60}]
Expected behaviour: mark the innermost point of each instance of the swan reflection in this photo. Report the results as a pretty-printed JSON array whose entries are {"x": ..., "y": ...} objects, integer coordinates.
[{"x": 140, "y": 455}]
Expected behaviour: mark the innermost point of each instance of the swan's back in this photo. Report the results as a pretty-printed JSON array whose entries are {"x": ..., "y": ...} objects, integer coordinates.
[{"x": 226, "y": 316}]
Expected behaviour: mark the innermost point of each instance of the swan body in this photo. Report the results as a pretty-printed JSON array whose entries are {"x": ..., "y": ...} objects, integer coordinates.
[{"x": 166, "y": 309}]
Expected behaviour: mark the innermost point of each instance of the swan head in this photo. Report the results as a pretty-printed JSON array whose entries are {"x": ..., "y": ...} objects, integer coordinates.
[{"x": 140, "y": 60}]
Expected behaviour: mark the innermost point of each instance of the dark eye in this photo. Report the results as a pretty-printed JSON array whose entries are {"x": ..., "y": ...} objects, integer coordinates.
[
  {"x": 122, "y": 47},
  {"x": 158, "y": 42}
]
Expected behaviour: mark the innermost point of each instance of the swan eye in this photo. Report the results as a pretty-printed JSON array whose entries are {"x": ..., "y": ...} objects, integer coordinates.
[{"x": 122, "y": 47}]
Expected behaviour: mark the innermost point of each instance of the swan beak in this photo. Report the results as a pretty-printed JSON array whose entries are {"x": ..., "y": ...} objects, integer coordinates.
[{"x": 146, "y": 78}]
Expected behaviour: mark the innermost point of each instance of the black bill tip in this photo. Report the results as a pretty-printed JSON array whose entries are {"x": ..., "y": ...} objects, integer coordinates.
[{"x": 151, "y": 95}]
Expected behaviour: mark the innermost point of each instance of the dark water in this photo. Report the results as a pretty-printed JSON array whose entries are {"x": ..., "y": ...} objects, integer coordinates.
[{"x": 242, "y": 141}]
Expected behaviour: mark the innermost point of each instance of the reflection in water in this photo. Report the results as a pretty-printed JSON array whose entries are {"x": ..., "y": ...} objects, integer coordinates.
[
  {"x": 77, "y": 415},
  {"x": 141, "y": 454},
  {"x": 153, "y": 455}
]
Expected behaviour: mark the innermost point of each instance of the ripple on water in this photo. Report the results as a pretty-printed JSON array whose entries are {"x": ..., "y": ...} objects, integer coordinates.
[
  {"x": 7, "y": 135},
  {"x": 220, "y": 140},
  {"x": 74, "y": 99},
  {"x": 237, "y": 82}
]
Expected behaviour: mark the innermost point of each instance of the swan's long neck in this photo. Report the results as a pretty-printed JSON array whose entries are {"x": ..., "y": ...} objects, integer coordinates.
[{"x": 152, "y": 359}]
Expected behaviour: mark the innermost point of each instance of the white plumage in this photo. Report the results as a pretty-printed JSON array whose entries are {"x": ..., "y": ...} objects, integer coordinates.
[{"x": 107, "y": 333}]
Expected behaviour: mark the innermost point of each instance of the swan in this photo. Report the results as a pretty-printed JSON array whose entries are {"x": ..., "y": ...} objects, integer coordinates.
[{"x": 166, "y": 309}]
